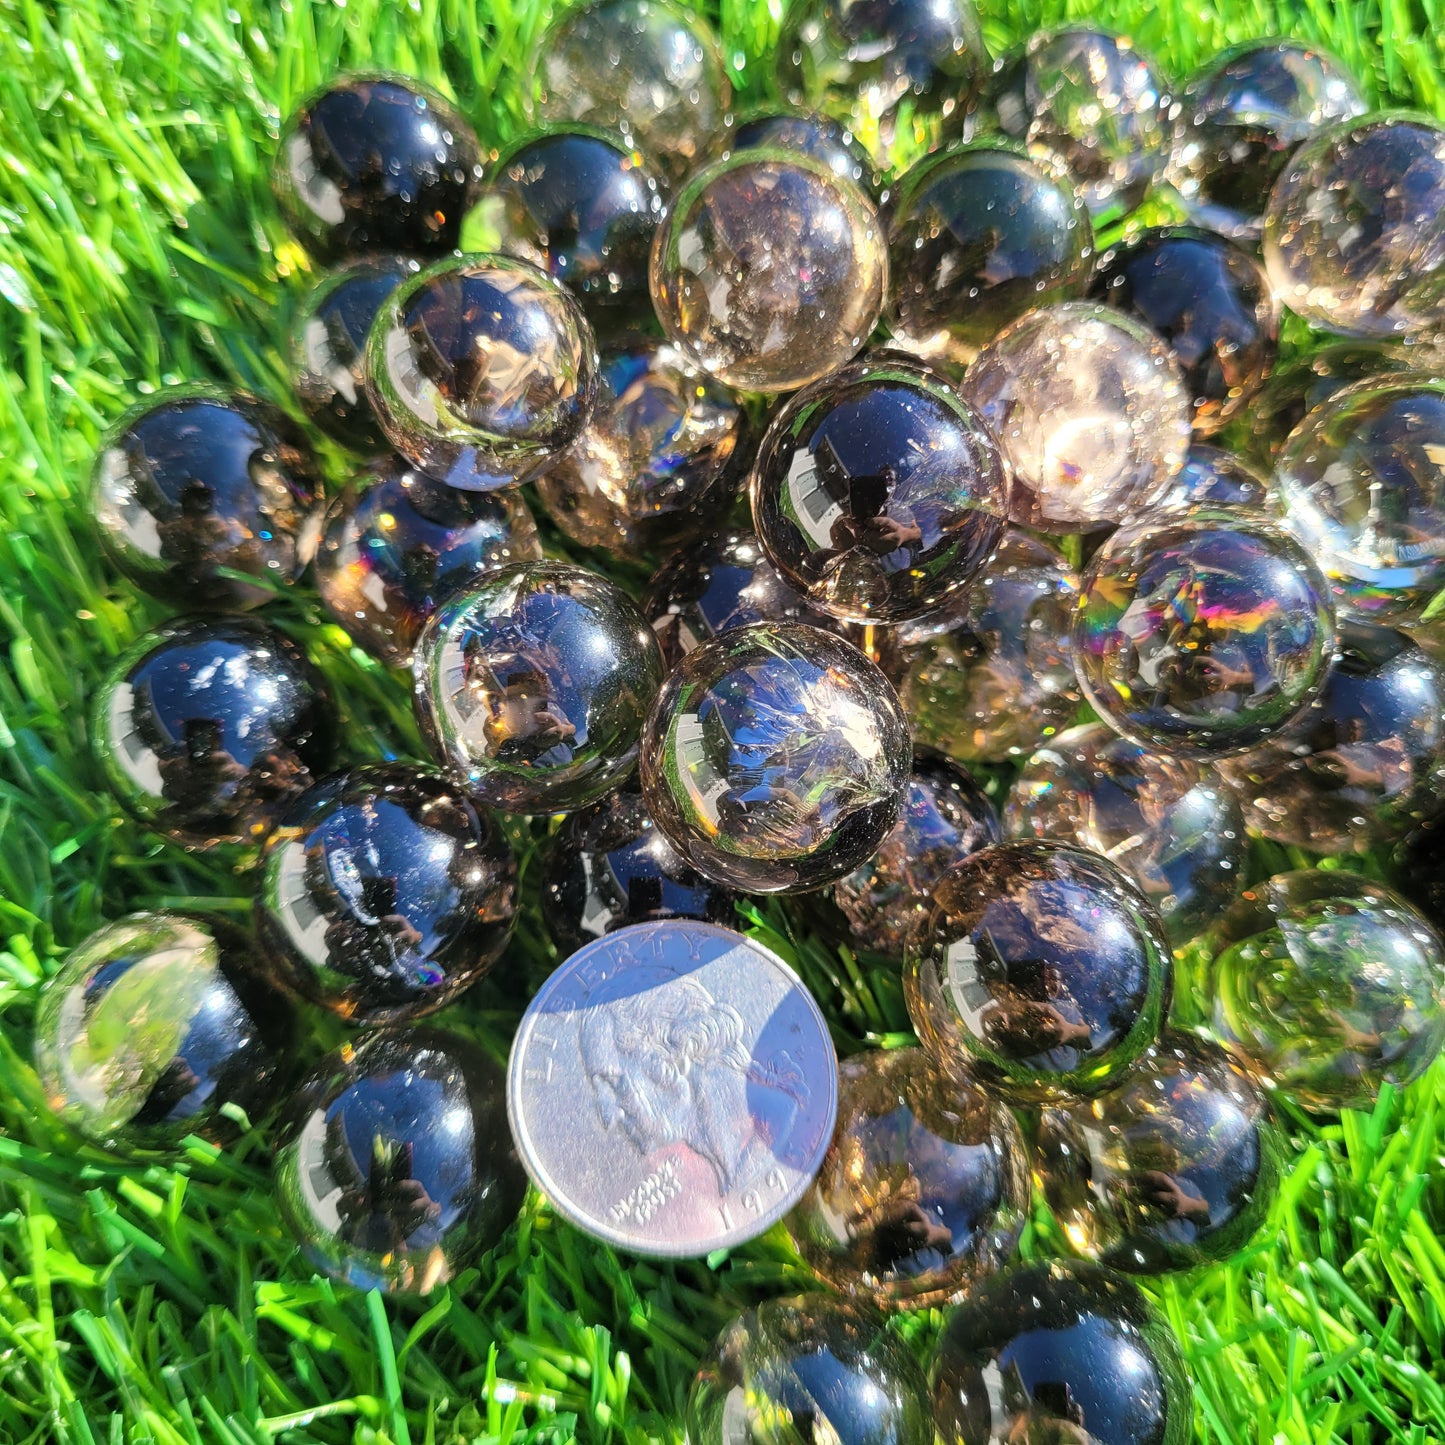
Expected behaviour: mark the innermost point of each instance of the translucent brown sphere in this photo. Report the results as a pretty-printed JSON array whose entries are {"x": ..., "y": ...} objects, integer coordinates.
[
  {"x": 1174, "y": 1168},
  {"x": 1242, "y": 116},
  {"x": 1210, "y": 302},
  {"x": 1203, "y": 632},
  {"x": 924, "y": 1188},
  {"x": 662, "y": 459},
  {"x": 648, "y": 68},
  {"x": 813, "y": 134},
  {"x": 1041, "y": 970},
  {"x": 1214, "y": 478},
  {"x": 481, "y": 371},
  {"x": 1329, "y": 985},
  {"x": 1351, "y": 232},
  {"x": 1091, "y": 411},
  {"x": 770, "y": 270},
  {"x": 397, "y": 542},
  {"x": 1173, "y": 826},
  {"x": 878, "y": 492},
  {"x": 775, "y": 758},
  {"x": 195, "y": 484},
  {"x": 533, "y": 684},
  {"x": 1002, "y": 680},
  {"x": 977, "y": 237}
]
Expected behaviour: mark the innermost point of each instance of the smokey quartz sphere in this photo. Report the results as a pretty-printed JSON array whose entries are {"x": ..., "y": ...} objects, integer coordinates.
[
  {"x": 1170, "y": 823},
  {"x": 397, "y": 542},
  {"x": 1202, "y": 633},
  {"x": 1041, "y": 969},
  {"x": 976, "y": 238},
  {"x": 1090, "y": 409},
  {"x": 663, "y": 457},
  {"x": 154, "y": 1026},
  {"x": 208, "y": 728},
  {"x": 1210, "y": 302},
  {"x": 775, "y": 758},
  {"x": 809, "y": 1368},
  {"x": 878, "y": 492},
  {"x": 1242, "y": 116},
  {"x": 609, "y": 866},
  {"x": 1351, "y": 232},
  {"x": 1066, "y": 1353},
  {"x": 196, "y": 484},
  {"x": 385, "y": 893},
  {"x": 770, "y": 271},
  {"x": 533, "y": 685},
  {"x": 481, "y": 371},
  {"x": 811, "y": 134},
  {"x": 945, "y": 817},
  {"x": 648, "y": 68},
  {"x": 376, "y": 163},
  {"x": 1091, "y": 100},
  {"x": 924, "y": 1188},
  {"x": 1364, "y": 762},
  {"x": 1360, "y": 484},
  {"x": 1211, "y": 477},
  {"x": 1329, "y": 985},
  {"x": 396, "y": 1169},
  {"x": 1174, "y": 1168}
]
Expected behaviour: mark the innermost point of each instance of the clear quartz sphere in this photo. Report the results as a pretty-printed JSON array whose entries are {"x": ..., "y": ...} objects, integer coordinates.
[
  {"x": 878, "y": 492},
  {"x": 775, "y": 758},
  {"x": 770, "y": 270},
  {"x": 811, "y": 133},
  {"x": 1169, "y": 823},
  {"x": 1202, "y": 632},
  {"x": 1211, "y": 477},
  {"x": 1354, "y": 233},
  {"x": 1090, "y": 409},
  {"x": 1329, "y": 985},
  {"x": 924, "y": 1188}
]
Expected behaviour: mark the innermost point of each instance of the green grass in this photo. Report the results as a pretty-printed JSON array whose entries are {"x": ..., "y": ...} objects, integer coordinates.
[{"x": 160, "y": 1302}]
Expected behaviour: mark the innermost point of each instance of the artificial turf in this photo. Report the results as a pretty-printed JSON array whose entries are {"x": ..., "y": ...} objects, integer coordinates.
[{"x": 161, "y": 1301}]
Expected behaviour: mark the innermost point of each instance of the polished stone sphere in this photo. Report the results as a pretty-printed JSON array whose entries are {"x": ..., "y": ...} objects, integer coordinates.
[
  {"x": 1210, "y": 302},
  {"x": 328, "y": 347},
  {"x": 154, "y": 1026},
  {"x": 1059, "y": 1353},
  {"x": 946, "y": 816},
  {"x": 649, "y": 69},
  {"x": 770, "y": 270},
  {"x": 1041, "y": 970},
  {"x": 533, "y": 684},
  {"x": 385, "y": 893},
  {"x": 195, "y": 484},
  {"x": 1002, "y": 679},
  {"x": 1418, "y": 869},
  {"x": 397, "y": 542},
  {"x": 376, "y": 163},
  {"x": 1091, "y": 411},
  {"x": 208, "y": 728},
  {"x": 811, "y": 134},
  {"x": 1173, "y": 1168},
  {"x": 1202, "y": 632},
  {"x": 1170, "y": 823},
  {"x": 810, "y": 1368},
  {"x": 776, "y": 758},
  {"x": 1349, "y": 232},
  {"x": 977, "y": 237},
  {"x": 1329, "y": 985},
  {"x": 878, "y": 492},
  {"x": 1359, "y": 483},
  {"x": 662, "y": 460},
  {"x": 482, "y": 371},
  {"x": 924, "y": 1189},
  {"x": 1364, "y": 762},
  {"x": 580, "y": 204},
  {"x": 1242, "y": 116},
  {"x": 397, "y": 1168},
  {"x": 1092, "y": 101},
  {"x": 609, "y": 866},
  {"x": 1214, "y": 478}
]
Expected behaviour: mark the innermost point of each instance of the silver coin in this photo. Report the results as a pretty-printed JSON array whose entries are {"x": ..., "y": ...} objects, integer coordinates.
[{"x": 672, "y": 1088}]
